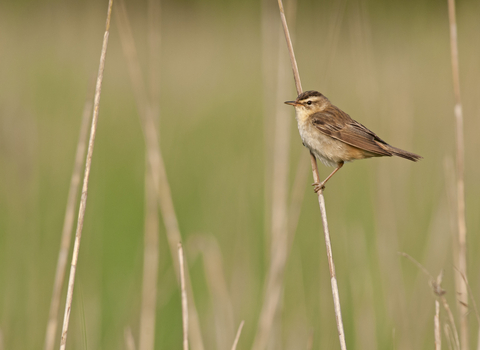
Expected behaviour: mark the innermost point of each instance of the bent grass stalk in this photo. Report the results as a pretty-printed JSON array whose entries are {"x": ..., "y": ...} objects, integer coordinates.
[
  {"x": 321, "y": 200},
  {"x": 88, "y": 164}
]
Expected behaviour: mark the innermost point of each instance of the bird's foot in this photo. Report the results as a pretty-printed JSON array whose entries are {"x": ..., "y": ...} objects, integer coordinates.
[{"x": 318, "y": 186}]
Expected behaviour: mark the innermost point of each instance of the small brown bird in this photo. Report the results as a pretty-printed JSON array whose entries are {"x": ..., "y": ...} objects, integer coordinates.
[{"x": 335, "y": 138}]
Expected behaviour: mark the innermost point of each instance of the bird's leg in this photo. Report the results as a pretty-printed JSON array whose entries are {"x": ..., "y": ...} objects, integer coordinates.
[{"x": 321, "y": 186}]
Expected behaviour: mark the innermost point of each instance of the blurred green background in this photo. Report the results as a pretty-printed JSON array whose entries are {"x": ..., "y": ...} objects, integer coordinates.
[{"x": 387, "y": 64}]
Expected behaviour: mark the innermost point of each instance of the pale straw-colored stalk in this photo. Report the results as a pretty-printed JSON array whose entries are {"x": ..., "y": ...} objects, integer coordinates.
[
  {"x": 461, "y": 263},
  {"x": 237, "y": 337},
  {"x": 448, "y": 335},
  {"x": 88, "y": 164},
  {"x": 146, "y": 339},
  {"x": 279, "y": 239},
  {"x": 321, "y": 200},
  {"x": 155, "y": 161},
  {"x": 129, "y": 340},
  {"x": 436, "y": 327},
  {"x": 184, "y": 298},
  {"x": 213, "y": 264},
  {"x": 474, "y": 303},
  {"x": 68, "y": 222},
  {"x": 436, "y": 285}
]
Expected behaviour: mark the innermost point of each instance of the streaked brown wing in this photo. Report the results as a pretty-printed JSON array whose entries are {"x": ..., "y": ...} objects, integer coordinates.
[{"x": 338, "y": 124}]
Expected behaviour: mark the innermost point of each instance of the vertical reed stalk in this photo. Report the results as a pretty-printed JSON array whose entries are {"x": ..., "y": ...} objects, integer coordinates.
[
  {"x": 218, "y": 288},
  {"x": 129, "y": 341},
  {"x": 155, "y": 161},
  {"x": 474, "y": 304},
  {"x": 184, "y": 298},
  {"x": 461, "y": 286},
  {"x": 321, "y": 200},
  {"x": 436, "y": 284},
  {"x": 151, "y": 239},
  {"x": 68, "y": 222},
  {"x": 146, "y": 339},
  {"x": 88, "y": 164},
  {"x": 437, "y": 328},
  {"x": 279, "y": 239}
]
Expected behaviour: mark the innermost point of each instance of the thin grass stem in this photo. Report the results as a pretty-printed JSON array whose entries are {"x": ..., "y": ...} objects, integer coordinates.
[
  {"x": 461, "y": 286},
  {"x": 151, "y": 259},
  {"x": 448, "y": 335},
  {"x": 155, "y": 161},
  {"x": 321, "y": 200},
  {"x": 129, "y": 340},
  {"x": 437, "y": 328},
  {"x": 184, "y": 297},
  {"x": 213, "y": 263},
  {"x": 88, "y": 164},
  {"x": 436, "y": 285},
  {"x": 279, "y": 248},
  {"x": 237, "y": 337},
  {"x": 68, "y": 222}
]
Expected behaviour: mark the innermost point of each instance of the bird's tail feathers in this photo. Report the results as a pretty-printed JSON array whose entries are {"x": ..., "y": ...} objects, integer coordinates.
[{"x": 404, "y": 154}]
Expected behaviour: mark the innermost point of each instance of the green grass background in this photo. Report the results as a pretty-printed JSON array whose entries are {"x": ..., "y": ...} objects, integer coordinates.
[{"x": 387, "y": 64}]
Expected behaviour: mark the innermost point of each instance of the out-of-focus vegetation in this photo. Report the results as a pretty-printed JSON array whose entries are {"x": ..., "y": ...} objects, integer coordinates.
[{"x": 387, "y": 64}]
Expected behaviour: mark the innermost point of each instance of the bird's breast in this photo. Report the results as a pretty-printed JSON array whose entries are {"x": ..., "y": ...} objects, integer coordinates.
[{"x": 328, "y": 150}]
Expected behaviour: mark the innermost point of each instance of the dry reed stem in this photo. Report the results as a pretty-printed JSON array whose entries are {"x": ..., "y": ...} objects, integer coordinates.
[
  {"x": 155, "y": 160},
  {"x": 279, "y": 215},
  {"x": 151, "y": 250},
  {"x": 470, "y": 293},
  {"x": 88, "y": 163},
  {"x": 478, "y": 339},
  {"x": 146, "y": 339},
  {"x": 310, "y": 341},
  {"x": 454, "y": 332},
  {"x": 436, "y": 285},
  {"x": 154, "y": 41},
  {"x": 184, "y": 298},
  {"x": 297, "y": 195},
  {"x": 129, "y": 340},
  {"x": 333, "y": 35},
  {"x": 269, "y": 48},
  {"x": 448, "y": 335},
  {"x": 321, "y": 200},
  {"x": 293, "y": 61},
  {"x": 437, "y": 328},
  {"x": 237, "y": 337},
  {"x": 474, "y": 303},
  {"x": 460, "y": 169},
  {"x": 218, "y": 288},
  {"x": 284, "y": 218},
  {"x": 68, "y": 222}
]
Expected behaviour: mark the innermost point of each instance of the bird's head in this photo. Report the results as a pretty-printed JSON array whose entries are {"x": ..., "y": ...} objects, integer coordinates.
[{"x": 310, "y": 102}]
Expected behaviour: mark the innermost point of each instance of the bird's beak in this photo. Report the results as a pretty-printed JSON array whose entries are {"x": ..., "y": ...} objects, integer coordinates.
[{"x": 291, "y": 103}]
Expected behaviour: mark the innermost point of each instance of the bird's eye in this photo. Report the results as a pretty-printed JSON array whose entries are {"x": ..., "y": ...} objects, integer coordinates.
[{"x": 309, "y": 103}]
